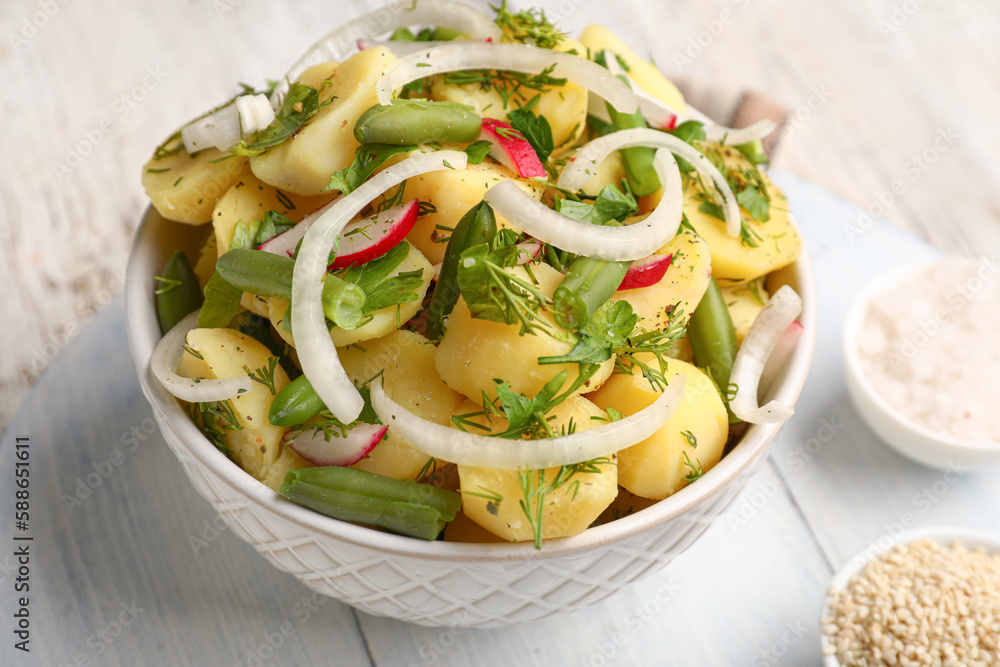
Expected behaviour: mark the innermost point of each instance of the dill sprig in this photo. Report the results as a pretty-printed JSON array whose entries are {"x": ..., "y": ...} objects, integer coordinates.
[
  {"x": 530, "y": 26},
  {"x": 264, "y": 375},
  {"x": 508, "y": 85},
  {"x": 535, "y": 489}
]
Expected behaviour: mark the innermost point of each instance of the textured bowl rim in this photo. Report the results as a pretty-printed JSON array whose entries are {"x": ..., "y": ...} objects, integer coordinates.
[
  {"x": 944, "y": 535},
  {"x": 852, "y": 328},
  {"x": 148, "y": 254}
]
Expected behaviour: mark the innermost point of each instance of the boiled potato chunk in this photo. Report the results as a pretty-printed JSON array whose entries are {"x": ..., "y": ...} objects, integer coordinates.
[
  {"x": 205, "y": 266},
  {"x": 453, "y": 192},
  {"x": 256, "y": 445},
  {"x": 287, "y": 462},
  {"x": 250, "y": 198},
  {"x": 597, "y": 38},
  {"x": 475, "y": 351},
  {"x": 745, "y": 301},
  {"x": 690, "y": 443},
  {"x": 779, "y": 243},
  {"x": 567, "y": 510},
  {"x": 610, "y": 172},
  {"x": 185, "y": 187},
  {"x": 382, "y": 321},
  {"x": 326, "y": 144},
  {"x": 406, "y": 361},
  {"x": 682, "y": 286}
]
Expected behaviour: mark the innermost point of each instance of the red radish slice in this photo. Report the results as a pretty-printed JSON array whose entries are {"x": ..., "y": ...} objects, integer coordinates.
[
  {"x": 361, "y": 241},
  {"x": 646, "y": 272},
  {"x": 511, "y": 149},
  {"x": 285, "y": 242},
  {"x": 338, "y": 451},
  {"x": 369, "y": 238},
  {"x": 528, "y": 251},
  {"x": 780, "y": 354}
]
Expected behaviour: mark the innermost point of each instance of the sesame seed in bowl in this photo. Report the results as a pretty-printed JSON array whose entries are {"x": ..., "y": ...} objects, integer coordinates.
[{"x": 929, "y": 597}]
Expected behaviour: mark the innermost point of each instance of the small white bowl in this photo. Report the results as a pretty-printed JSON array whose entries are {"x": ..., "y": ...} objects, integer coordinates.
[
  {"x": 943, "y": 535},
  {"x": 910, "y": 439}
]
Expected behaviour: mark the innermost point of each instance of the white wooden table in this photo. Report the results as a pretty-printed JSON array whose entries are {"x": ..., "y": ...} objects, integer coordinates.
[
  {"x": 117, "y": 529},
  {"x": 747, "y": 593},
  {"x": 90, "y": 87}
]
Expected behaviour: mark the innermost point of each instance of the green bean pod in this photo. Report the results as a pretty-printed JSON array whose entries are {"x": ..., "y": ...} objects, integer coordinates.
[
  {"x": 270, "y": 275},
  {"x": 713, "y": 338},
  {"x": 586, "y": 286},
  {"x": 478, "y": 225},
  {"x": 637, "y": 160},
  {"x": 179, "y": 294},
  {"x": 294, "y": 404},
  {"x": 402, "y": 506},
  {"x": 418, "y": 122}
]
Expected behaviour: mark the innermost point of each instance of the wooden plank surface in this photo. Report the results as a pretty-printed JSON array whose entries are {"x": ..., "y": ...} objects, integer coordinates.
[{"x": 91, "y": 87}]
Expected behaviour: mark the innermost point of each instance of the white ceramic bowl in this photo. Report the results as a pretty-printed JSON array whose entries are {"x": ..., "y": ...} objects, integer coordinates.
[
  {"x": 910, "y": 439},
  {"x": 443, "y": 583},
  {"x": 943, "y": 535}
]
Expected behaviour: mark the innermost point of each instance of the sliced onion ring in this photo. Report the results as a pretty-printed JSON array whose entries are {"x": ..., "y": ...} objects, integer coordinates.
[
  {"x": 591, "y": 155},
  {"x": 344, "y": 40},
  {"x": 163, "y": 363},
  {"x": 760, "y": 341},
  {"x": 659, "y": 113},
  {"x": 458, "y": 56},
  {"x": 449, "y": 444},
  {"x": 316, "y": 350},
  {"x": 620, "y": 244}
]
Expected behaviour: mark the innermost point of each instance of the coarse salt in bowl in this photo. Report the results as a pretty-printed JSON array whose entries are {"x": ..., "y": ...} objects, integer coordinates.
[{"x": 922, "y": 353}]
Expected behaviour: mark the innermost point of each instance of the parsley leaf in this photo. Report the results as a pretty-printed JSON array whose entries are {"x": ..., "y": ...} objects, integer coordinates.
[
  {"x": 382, "y": 286},
  {"x": 300, "y": 105},
  {"x": 493, "y": 293},
  {"x": 606, "y": 331},
  {"x": 367, "y": 158},
  {"x": 222, "y": 303},
  {"x": 611, "y": 204},
  {"x": 755, "y": 203},
  {"x": 477, "y": 151},
  {"x": 274, "y": 223},
  {"x": 534, "y": 128}
]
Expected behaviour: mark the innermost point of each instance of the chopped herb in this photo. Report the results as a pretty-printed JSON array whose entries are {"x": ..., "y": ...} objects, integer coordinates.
[
  {"x": 535, "y": 489},
  {"x": 535, "y": 129},
  {"x": 478, "y": 150},
  {"x": 264, "y": 376},
  {"x": 367, "y": 158},
  {"x": 696, "y": 471},
  {"x": 301, "y": 103},
  {"x": 383, "y": 289},
  {"x": 530, "y": 26}
]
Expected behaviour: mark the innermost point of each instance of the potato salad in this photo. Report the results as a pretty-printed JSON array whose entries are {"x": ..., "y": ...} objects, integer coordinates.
[{"x": 467, "y": 277}]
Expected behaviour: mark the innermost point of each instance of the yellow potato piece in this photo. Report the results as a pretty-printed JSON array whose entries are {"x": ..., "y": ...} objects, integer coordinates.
[
  {"x": 205, "y": 266},
  {"x": 682, "y": 286},
  {"x": 326, "y": 144},
  {"x": 610, "y": 172},
  {"x": 406, "y": 361},
  {"x": 383, "y": 321},
  {"x": 256, "y": 445},
  {"x": 251, "y": 198},
  {"x": 475, "y": 351},
  {"x": 287, "y": 462},
  {"x": 597, "y": 38},
  {"x": 745, "y": 301},
  {"x": 184, "y": 188},
  {"x": 779, "y": 243},
  {"x": 567, "y": 510},
  {"x": 664, "y": 463},
  {"x": 453, "y": 192}
]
